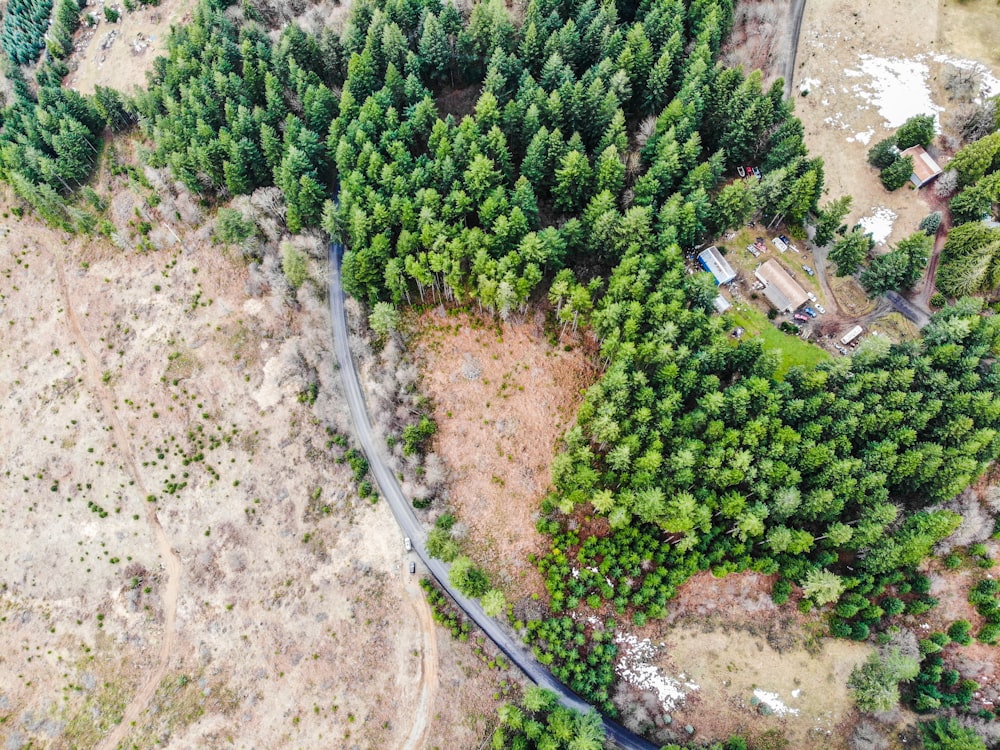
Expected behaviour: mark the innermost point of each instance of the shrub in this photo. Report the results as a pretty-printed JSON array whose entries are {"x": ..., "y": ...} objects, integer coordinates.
[
  {"x": 897, "y": 174},
  {"x": 952, "y": 561},
  {"x": 917, "y": 131},
  {"x": 293, "y": 263},
  {"x": 232, "y": 227},
  {"x": 883, "y": 154},
  {"x": 111, "y": 14},
  {"x": 989, "y": 633},
  {"x": 931, "y": 223},
  {"x": 938, "y": 300},
  {"x": 959, "y": 631},
  {"x": 781, "y": 590}
]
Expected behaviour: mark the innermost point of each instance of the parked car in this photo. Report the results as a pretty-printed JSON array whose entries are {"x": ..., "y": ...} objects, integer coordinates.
[
  {"x": 812, "y": 297},
  {"x": 801, "y": 318},
  {"x": 407, "y": 543},
  {"x": 784, "y": 239},
  {"x": 808, "y": 270},
  {"x": 741, "y": 170},
  {"x": 413, "y": 567},
  {"x": 757, "y": 173},
  {"x": 820, "y": 308},
  {"x": 810, "y": 312}
]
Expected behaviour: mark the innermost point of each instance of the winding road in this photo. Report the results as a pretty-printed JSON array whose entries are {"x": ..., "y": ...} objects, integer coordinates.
[{"x": 389, "y": 487}]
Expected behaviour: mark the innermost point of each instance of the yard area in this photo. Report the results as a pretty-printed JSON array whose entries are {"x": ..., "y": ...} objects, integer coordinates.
[{"x": 792, "y": 350}]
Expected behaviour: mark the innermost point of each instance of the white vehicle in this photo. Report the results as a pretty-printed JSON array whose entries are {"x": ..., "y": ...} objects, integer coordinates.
[
  {"x": 407, "y": 544},
  {"x": 812, "y": 297},
  {"x": 820, "y": 309},
  {"x": 851, "y": 335}
]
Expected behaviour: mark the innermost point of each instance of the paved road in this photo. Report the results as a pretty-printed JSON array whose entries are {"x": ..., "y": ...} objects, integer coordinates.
[
  {"x": 389, "y": 487},
  {"x": 909, "y": 310},
  {"x": 795, "y": 29}
]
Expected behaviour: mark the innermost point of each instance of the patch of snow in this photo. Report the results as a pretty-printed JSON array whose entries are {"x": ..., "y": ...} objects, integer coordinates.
[
  {"x": 852, "y": 73},
  {"x": 990, "y": 83},
  {"x": 796, "y": 693},
  {"x": 865, "y": 136},
  {"x": 879, "y": 224},
  {"x": 836, "y": 121},
  {"x": 634, "y": 667},
  {"x": 897, "y": 88},
  {"x": 773, "y": 702},
  {"x": 808, "y": 84}
]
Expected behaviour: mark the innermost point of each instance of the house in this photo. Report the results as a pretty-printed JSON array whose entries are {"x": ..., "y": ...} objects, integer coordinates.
[
  {"x": 721, "y": 304},
  {"x": 925, "y": 168},
  {"x": 713, "y": 262},
  {"x": 780, "y": 289}
]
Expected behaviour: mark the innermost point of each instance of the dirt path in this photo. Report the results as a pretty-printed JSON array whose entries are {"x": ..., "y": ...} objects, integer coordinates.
[
  {"x": 105, "y": 395},
  {"x": 417, "y": 737},
  {"x": 930, "y": 277}
]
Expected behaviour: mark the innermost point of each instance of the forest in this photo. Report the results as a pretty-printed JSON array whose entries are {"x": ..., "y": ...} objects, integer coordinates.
[{"x": 600, "y": 149}]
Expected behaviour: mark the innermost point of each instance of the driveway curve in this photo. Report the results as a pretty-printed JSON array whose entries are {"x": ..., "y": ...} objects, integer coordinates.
[{"x": 389, "y": 487}]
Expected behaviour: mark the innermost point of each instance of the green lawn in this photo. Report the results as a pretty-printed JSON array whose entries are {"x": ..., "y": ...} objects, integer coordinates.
[{"x": 792, "y": 350}]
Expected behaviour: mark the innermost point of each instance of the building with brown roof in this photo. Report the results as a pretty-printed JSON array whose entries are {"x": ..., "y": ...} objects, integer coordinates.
[
  {"x": 925, "y": 168},
  {"x": 780, "y": 289}
]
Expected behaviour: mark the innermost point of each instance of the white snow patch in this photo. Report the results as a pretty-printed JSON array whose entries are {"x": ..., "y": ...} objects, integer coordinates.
[
  {"x": 796, "y": 693},
  {"x": 773, "y": 702},
  {"x": 635, "y": 669},
  {"x": 898, "y": 88},
  {"x": 865, "y": 136},
  {"x": 808, "y": 84},
  {"x": 837, "y": 121},
  {"x": 879, "y": 224},
  {"x": 989, "y": 82}
]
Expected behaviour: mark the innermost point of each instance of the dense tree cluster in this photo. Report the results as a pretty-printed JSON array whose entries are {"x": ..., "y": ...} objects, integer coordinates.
[
  {"x": 900, "y": 268},
  {"x": 229, "y": 111},
  {"x": 48, "y": 146},
  {"x": 689, "y": 442},
  {"x": 540, "y": 722},
  {"x": 535, "y": 178},
  {"x": 24, "y": 26},
  {"x": 970, "y": 260}
]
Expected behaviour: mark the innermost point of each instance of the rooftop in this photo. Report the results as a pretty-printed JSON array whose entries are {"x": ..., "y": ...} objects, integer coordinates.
[
  {"x": 781, "y": 290},
  {"x": 713, "y": 262},
  {"x": 925, "y": 168}
]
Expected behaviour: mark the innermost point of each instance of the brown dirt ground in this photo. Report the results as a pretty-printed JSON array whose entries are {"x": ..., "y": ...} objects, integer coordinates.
[
  {"x": 834, "y": 36},
  {"x": 729, "y": 638},
  {"x": 972, "y": 27},
  {"x": 294, "y": 628},
  {"x": 499, "y": 431},
  {"x": 118, "y": 55},
  {"x": 761, "y": 38}
]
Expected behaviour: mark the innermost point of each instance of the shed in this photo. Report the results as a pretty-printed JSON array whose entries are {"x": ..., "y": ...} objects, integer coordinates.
[
  {"x": 721, "y": 304},
  {"x": 780, "y": 289},
  {"x": 925, "y": 168},
  {"x": 713, "y": 262}
]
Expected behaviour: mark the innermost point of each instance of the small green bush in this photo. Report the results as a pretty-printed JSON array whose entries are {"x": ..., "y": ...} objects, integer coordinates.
[
  {"x": 111, "y": 14},
  {"x": 959, "y": 631}
]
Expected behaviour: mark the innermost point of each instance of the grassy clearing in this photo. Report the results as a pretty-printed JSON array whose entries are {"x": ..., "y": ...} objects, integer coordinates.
[
  {"x": 792, "y": 351},
  {"x": 970, "y": 27}
]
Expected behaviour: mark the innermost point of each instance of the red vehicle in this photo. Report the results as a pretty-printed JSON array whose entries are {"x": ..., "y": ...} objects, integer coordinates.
[{"x": 801, "y": 318}]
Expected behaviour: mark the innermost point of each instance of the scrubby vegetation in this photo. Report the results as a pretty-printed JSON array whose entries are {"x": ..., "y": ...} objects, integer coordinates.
[{"x": 600, "y": 149}]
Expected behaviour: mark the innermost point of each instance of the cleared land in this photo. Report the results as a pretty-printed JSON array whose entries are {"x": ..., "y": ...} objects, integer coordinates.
[
  {"x": 503, "y": 395},
  {"x": 291, "y": 619}
]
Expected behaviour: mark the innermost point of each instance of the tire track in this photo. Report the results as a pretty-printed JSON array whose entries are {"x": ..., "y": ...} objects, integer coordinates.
[
  {"x": 417, "y": 737},
  {"x": 172, "y": 561}
]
